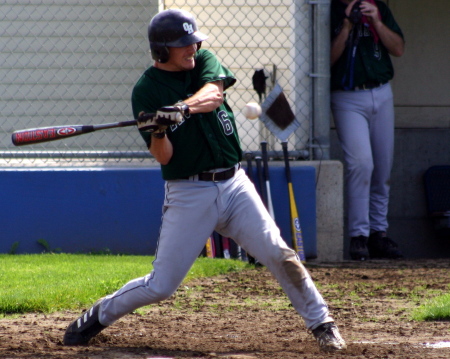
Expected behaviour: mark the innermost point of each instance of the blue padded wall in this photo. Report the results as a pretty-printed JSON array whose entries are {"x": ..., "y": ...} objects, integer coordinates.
[{"x": 85, "y": 210}]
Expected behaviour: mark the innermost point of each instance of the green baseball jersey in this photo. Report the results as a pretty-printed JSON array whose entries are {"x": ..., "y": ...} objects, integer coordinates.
[
  {"x": 203, "y": 141},
  {"x": 372, "y": 61}
]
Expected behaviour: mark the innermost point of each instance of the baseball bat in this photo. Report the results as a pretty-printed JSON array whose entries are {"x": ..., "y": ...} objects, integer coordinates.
[
  {"x": 226, "y": 247},
  {"x": 265, "y": 159},
  {"x": 248, "y": 157},
  {"x": 296, "y": 229},
  {"x": 218, "y": 247},
  {"x": 260, "y": 175},
  {"x": 209, "y": 247},
  {"x": 52, "y": 133}
]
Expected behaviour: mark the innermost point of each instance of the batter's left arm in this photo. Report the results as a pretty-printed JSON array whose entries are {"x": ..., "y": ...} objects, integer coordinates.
[{"x": 161, "y": 149}]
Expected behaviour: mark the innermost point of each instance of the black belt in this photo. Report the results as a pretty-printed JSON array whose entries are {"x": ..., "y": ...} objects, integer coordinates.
[
  {"x": 369, "y": 85},
  {"x": 216, "y": 176}
]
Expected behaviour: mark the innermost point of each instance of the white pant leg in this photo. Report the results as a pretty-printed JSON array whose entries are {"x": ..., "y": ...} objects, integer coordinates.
[
  {"x": 382, "y": 140},
  {"x": 190, "y": 215},
  {"x": 246, "y": 220},
  {"x": 351, "y": 113}
]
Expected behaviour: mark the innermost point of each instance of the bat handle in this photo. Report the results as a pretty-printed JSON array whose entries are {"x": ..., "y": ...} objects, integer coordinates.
[
  {"x": 265, "y": 158},
  {"x": 264, "y": 147},
  {"x": 286, "y": 160},
  {"x": 248, "y": 157}
]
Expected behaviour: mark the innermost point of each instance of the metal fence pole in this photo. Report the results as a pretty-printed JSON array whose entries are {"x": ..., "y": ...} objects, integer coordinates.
[{"x": 321, "y": 79}]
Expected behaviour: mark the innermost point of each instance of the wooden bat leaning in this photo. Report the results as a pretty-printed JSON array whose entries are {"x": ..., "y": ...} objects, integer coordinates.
[
  {"x": 52, "y": 133},
  {"x": 296, "y": 229}
]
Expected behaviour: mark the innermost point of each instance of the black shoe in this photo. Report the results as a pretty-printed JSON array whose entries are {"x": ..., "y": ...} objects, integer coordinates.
[
  {"x": 358, "y": 248},
  {"x": 329, "y": 338},
  {"x": 381, "y": 246},
  {"x": 84, "y": 328}
]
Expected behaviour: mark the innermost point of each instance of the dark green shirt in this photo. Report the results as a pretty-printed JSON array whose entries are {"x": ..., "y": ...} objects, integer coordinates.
[
  {"x": 203, "y": 141},
  {"x": 372, "y": 61}
]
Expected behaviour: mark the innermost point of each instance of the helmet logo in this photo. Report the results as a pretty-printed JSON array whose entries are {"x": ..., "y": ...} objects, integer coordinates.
[{"x": 188, "y": 27}]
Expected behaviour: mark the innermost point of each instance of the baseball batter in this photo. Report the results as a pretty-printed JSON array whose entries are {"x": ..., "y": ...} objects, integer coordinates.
[
  {"x": 364, "y": 35},
  {"x": 205, "y": 187}
]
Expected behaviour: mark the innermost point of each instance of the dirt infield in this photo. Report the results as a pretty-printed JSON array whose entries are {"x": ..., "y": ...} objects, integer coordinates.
[{"x": 246, "y": 315}]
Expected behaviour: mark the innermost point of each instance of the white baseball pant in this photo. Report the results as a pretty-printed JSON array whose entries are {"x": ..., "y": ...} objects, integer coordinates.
[
  {"x": 192, "y": 210},
  {"x": 365, "y": 126}
]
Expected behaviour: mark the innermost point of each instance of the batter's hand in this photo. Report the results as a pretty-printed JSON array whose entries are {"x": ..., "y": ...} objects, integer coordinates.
[
  {"x": 169, "y": 115},
  {"x": 147, "y": 122}
]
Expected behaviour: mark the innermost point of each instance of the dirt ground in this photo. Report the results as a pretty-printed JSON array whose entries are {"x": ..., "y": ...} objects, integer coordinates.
[{"x": 246, "y": 315}]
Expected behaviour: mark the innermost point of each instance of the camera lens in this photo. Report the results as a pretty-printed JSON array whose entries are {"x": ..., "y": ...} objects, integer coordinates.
[{"x": 355, "y": 15}]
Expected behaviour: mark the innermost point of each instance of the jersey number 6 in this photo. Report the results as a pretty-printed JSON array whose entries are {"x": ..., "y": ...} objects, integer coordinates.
[{"x": 226, "y": 123}]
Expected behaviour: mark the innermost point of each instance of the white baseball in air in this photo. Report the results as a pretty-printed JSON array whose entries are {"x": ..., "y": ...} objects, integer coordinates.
[{"x": 252, "y": 110}]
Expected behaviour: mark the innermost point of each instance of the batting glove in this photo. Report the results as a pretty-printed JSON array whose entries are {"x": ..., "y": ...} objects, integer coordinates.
[
  {"x": 169, "y": 115},
  {"x": 147, "y": 122}
]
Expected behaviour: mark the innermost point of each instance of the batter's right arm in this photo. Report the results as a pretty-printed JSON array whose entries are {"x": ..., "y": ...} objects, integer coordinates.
[{"x": 207, "y": 99}]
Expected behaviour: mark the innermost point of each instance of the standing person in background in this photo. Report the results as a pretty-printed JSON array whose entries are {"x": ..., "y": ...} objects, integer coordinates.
[
  {"x": 363, "y": 36},
  {"x": 205, "y": 187}
]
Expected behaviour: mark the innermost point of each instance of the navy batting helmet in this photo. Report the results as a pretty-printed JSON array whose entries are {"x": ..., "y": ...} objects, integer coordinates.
[{"x": 172, "y": 28}]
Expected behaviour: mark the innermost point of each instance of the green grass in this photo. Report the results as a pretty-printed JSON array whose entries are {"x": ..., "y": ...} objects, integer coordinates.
[
  {"x": 52, "y": 282},
  {"x": 437, "y": 308}
]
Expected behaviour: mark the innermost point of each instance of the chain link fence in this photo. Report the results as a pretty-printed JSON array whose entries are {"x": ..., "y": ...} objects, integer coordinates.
[{"x": 76, "y": 62}]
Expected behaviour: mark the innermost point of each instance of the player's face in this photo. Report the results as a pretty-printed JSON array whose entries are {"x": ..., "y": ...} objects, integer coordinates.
[{"x": 181, "y": 58}]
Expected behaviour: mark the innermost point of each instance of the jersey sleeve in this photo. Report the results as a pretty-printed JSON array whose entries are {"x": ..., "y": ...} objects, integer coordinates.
[
  {"x": 153, "y": 90},
  {"x": 143, "y": 100},
  {"x": 388, "y": 18},
  {"x": 209, "y": 69}
]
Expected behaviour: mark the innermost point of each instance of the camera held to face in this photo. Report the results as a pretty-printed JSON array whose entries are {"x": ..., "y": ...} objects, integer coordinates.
[{"x": 355, "y": 14}]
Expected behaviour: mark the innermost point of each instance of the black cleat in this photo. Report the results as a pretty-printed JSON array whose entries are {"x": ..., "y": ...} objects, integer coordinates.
[
  {"x": 84, "y": 328},
  {"x": 358, "y": 248},
  {"x": 381, "y": 246},
  {"x": 329, "y": 338}
]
